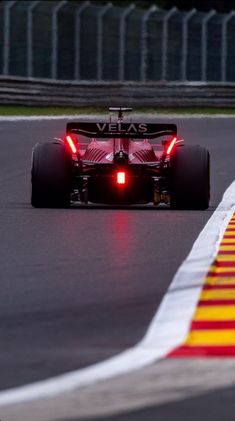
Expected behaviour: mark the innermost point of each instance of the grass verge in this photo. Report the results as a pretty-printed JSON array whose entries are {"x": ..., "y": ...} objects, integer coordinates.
[{"x": 10, "y": 110}]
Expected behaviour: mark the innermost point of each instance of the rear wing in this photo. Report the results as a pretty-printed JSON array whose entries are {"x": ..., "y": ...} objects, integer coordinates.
[{"x": 123, "y": 130}]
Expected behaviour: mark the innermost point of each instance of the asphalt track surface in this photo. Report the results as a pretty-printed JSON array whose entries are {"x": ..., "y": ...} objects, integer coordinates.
[{"x": 81, "y": 285}]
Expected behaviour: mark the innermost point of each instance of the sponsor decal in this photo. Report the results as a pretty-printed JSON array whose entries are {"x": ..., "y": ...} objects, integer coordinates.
[
  {"x": 109, "y": 157},
  {"x": 119, "y": 128}
]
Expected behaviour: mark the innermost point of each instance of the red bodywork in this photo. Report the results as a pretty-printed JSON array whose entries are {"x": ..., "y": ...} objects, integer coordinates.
[{"x": 104, "y": 149}]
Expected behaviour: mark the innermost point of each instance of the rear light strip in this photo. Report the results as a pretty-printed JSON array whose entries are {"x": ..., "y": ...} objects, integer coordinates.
[
  {"x": 171, "y": 145},
  {"x": 71, "y": 144},
  {"x": 121, "y": 177}
]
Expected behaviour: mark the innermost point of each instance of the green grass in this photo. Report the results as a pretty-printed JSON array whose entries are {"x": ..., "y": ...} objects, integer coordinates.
[
  {"x": 11, "y": 110},
  {"x": 187, "y": 110}
]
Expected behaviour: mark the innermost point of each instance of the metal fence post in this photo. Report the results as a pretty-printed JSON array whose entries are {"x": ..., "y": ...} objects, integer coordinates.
[
  {"x": 204, "y": 43},
  {"x": 186, "y": 19},
  {"x": 30, "y": 37},
  {"x": 122, "y": 35},
  {"x": 144, "y": 46},
  {"x": 224, "y": 47},
  {"x": 165, "y": 40},
  {"x": 6, "y": 36},
  {"x": 54, "y": 56},
  {"x": 100, "y": 16},
  {"x": 77, "y": 43}
]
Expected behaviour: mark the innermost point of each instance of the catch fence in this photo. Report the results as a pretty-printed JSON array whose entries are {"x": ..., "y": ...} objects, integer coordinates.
[{"x": 67, "y": 40}]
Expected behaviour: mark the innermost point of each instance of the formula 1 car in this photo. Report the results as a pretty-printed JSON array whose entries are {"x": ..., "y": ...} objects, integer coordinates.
[{"x": 119, "y": 163}]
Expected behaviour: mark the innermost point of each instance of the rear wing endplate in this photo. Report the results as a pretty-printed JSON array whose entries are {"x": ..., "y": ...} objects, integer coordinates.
[{"x": 123, "y": 130}]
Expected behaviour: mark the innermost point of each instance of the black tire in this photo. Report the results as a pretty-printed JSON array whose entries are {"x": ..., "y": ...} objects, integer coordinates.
[
  {"x": 51, "y": 175},
  {"x": 190, "y": 178}
]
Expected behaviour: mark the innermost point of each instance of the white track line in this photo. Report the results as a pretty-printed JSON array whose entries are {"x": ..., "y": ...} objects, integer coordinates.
[
  {"x": 167, "y": 330},
  {"x": 104, "y": 116}
]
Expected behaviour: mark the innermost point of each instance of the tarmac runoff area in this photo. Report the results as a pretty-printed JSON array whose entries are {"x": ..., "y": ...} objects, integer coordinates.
[
  {"x": 192, "y": 299},
  {"x": 170, "y": 389}
]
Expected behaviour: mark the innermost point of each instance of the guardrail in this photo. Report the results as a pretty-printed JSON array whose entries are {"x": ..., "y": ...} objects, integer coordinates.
[{"x": 38, "y": 92}]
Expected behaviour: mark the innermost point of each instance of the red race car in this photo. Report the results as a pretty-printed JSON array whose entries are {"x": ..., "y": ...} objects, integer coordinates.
[{"x": 119, "y": 163}]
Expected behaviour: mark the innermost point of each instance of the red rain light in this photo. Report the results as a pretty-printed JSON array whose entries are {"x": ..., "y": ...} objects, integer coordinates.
[
  {"x": 171, "y": 145},
  {"x": 71, "y": 144},
  {"x": 121, "y": 178}
]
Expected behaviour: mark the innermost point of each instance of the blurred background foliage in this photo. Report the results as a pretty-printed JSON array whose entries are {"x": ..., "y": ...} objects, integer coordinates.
[{"x": 219, "y": 5}]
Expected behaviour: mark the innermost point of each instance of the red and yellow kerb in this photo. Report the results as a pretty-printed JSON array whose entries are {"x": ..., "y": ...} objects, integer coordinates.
[{"x": 212, "y": 331}]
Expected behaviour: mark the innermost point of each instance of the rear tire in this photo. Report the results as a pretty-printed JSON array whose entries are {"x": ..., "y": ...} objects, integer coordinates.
[
  {"x": 190, "y": 178},
  {"x": 51, "y": 175}
]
